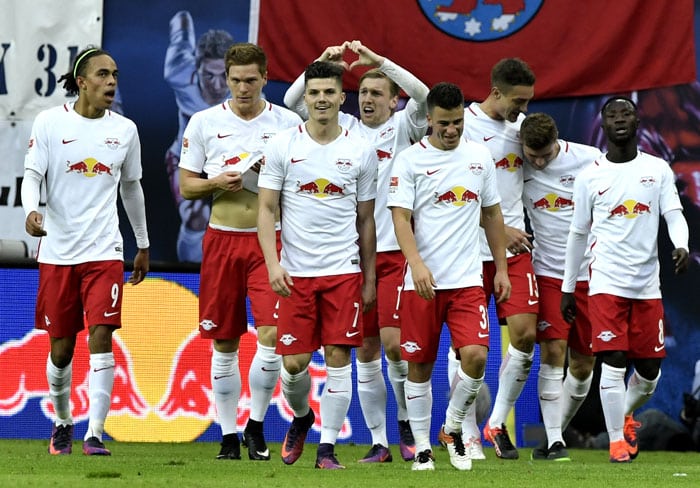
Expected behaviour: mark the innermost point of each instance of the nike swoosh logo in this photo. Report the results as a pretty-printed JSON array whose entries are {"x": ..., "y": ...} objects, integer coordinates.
[
  {"x": 432, "y": 172},
  {"x": 275, "y": 316},
  {"x": 294, "y": 161},
  {"x": 533, "y": 302},
  {"x": 601, "y": 192},
  {"x": 97, "y": 370},
  {"x": 110, "y": 314},
  {"x": 529, "y": 179},
  {"x": 265, "y": 453},
  {"x": 331, "y": 390},
  {"x": 363, "y": 381},
  {"x": 68, "y": 141},
  {"x": 487, "y": 139},
  {"x": 413, "y": 397},
  {"x": 518, "y": 380},
  {"x": 483, "y": 335},
  {"x": 351, "y": 334},
  {"x": 395, "y": 316},
  {"x": 269, "y": 370},
  {"x": 222, "y": 376},
  {"x": 606, "y": 387},
  {"x": 223, "y": 136},
  {"x": 657, "y": 348}
]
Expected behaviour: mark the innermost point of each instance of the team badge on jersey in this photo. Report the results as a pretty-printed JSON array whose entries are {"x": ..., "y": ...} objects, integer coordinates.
[
  {"x": 647, "y": 181},
  {"x": 485, "y": 20},
  {"x": 112, "y": 143},
  {"x": 343, "y": 165},
  {"x": 567, "y": 180},
  {"x": 476, "y": 168}
]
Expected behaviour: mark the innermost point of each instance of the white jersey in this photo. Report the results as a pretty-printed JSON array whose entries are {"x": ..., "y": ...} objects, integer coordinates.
[
  {"x": 387, "y": 140},
  {"x": 548, "y": 200},
  {"x": 83, "y": 161},
  {"x": 502, "y": 139},
  {"x": 218, "y": 140},
  {"x": 320, "y": 186},
  {"x": 621, "y": 204},
  {"x": 445, "y": 190}
]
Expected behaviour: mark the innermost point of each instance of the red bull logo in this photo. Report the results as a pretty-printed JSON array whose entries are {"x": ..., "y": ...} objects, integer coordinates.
[
  {"x": 630, "y": 209},
  {"x": 512, "y": 162},
  {"x": 457, "y": 196},
  {"x": 382, "y": 155},
  {"x": 320, "y": 188},
  {"x": 232, "y": 161},
  {"x": 552, "y": 203},
  {"x": 89, "y": 167}
]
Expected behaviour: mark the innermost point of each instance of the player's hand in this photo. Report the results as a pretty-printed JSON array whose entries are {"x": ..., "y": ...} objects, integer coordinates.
[
  {"x": 518, "y": 241},
  {"x": 369, "y": 296},
  {"x": 680, "y": 260},
  {"x": 568, "y": 307},
  {"x": 229, "y": 181},
  {"x": 34, "y": 225},
  {"x": 280, "y": 281},
  {"x": 366, "y": 57},
  {"x": 501, "y": 286},
  {"x": 334, "y": 54},
  {"x": 423, "y": 281},
  {"x": 141, "y": 267}
]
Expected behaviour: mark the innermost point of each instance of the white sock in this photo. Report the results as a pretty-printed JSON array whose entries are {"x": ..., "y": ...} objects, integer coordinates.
[
  {"x": 226, "y": 386},
  {"x": 575, "y": 392},
  {"x": 470, "y": 429},
  {"x": 397, "y": 371},
  {"x": 549, "y": 390},
  {"x": 419, "y": 403},
  {"x": 296, "y": 388},
  {"x": 612, "y": 398},
  {"x": 463, "y": 395},
  {"x": 100, "y": 384},
  {"x": 371, "y": 391},
  {"x": 59, "y": 380},
  {"x": 511, "y": 381},
  {"x": 453, "y": 365},
  {"x": 262, "y": 380},
  {"x": 335, "y": 402},
  {"x": 639, "y": 390}
]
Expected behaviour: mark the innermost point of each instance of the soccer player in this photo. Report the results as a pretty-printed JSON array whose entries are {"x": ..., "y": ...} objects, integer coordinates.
[
  {"x": 195, "y": 70},
  {"x": 440, "y": 187},
  {"x": 322, "y": 177},
  {"x": 495, "y": 123},
  {"x": 388, "y": 132},
  {"x": 85, "y": 153},
  {"x": 223, "y": 141},
  {"x": 551, "y": 168},
  {"x": 618, "y": 203}
]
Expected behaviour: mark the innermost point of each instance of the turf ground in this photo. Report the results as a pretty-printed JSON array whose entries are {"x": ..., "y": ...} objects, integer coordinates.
[{"x": 26, "y": 463}]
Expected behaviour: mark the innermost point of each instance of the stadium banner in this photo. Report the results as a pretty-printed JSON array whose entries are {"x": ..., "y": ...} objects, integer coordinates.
[
  {"x": 162, "y": 388},
  {"x": 35, "y": 50},
  {"x": 575, "y": 48}
]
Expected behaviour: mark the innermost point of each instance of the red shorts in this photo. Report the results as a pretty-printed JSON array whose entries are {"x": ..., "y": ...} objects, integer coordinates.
[
  {"x": 321, "y": 311},
  {"x": 390, "y": 269},
  {"x": 233, "y": 267},
  {"x": 550, "y": 323},
  {"x": 524, "y": 297},
  {"x": 72, "y": 296},
  {"x": 463, "y": 309},
  {"x": 625, "y": 324}
]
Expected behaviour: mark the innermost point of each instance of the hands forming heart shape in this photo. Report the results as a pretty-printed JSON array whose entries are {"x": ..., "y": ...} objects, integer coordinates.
[{"x": 365, "y": 56}]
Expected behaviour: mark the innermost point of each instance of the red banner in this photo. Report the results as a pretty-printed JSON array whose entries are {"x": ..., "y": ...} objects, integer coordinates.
[{"x": 575, "y": 48}]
